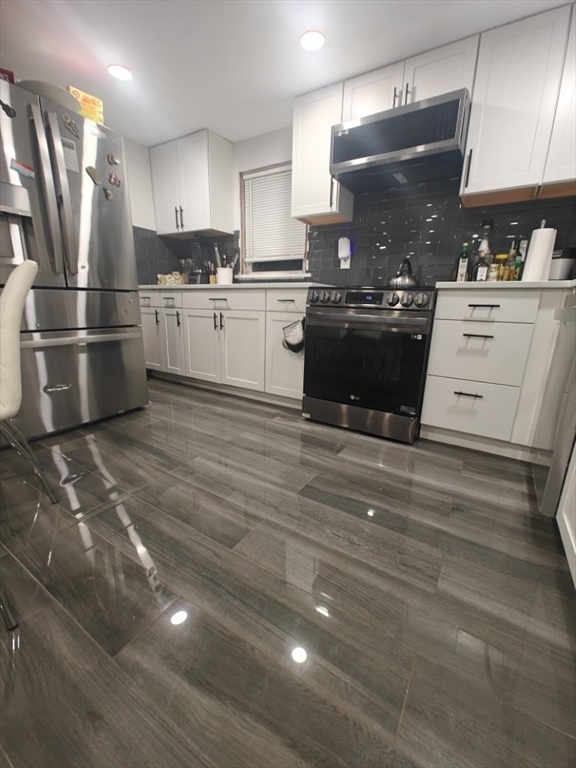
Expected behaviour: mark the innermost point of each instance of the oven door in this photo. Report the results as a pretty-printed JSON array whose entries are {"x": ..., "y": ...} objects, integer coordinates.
[{"x": 367, "y": 359}]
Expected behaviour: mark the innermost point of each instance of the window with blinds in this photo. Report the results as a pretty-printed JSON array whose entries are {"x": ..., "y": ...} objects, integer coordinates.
[{"x": 270, "y": 233}]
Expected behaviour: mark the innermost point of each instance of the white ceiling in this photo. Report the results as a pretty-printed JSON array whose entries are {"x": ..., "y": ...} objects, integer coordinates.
[{"x": 230, "y": 65}]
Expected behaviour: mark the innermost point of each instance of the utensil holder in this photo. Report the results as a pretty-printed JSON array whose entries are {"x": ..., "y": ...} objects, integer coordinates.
[{"x": 224, "y": 275}]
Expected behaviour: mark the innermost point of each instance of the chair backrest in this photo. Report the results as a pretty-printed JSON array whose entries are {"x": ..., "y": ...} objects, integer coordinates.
[{"x": 12, "y": 303}]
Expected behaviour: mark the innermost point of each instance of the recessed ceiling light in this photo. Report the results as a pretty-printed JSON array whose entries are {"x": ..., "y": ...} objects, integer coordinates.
[
  {"x": 120, "y": 72},
  {"x": 312, "y": 40},
  {"x": 299, "y": 655},
  {"x": 179, "y": 617}
]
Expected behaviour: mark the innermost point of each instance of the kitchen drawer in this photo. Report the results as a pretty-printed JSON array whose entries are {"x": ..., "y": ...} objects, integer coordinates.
[
  {"x": 491, "y": 414},
  {"x": 220, "y": 300},
  {"x": 150, "y": 299},
  {"x": 500, "y": 305},
  {"x": 286, "y": 301},
  {"x": 491, "y": 352},
  {"x": 171, "y": 298}
]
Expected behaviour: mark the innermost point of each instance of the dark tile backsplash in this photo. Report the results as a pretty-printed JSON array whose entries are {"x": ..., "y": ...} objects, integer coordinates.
[
  {"x": 161, "y": 255},
  {"x": 428, "y": 223}
]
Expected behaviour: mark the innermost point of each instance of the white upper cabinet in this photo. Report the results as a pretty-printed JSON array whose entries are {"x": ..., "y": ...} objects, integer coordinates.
[
  {"x": 373, "y": 92},
  {"x": 440, "y": 71},
  {"x": 317, "y": 198},
  {"x": 193, "y": 185},
  {"x": 561, "y": 160},
  {"x": 164, "y": 165},
  {"x": 513, "y": 105},
  {"x": 421, "y": 77}
]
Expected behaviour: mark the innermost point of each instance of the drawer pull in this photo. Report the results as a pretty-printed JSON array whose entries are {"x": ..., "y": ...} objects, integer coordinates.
[
  {"x": 217, "y": 298},
  {"x": 485, "y": 306},
  {"x": 291, "y": 300},
  {"x": 477, "y": 336},
  {"x": 469, "y": 394}
]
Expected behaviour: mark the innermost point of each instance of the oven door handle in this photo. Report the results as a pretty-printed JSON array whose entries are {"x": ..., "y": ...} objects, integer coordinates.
[{"x": 368, "y": 322}]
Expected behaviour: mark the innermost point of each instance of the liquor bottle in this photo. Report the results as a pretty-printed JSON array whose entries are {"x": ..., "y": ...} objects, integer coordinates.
[
  {"x": 480, "y": 271},
  {"x": 462, "y": 269}
]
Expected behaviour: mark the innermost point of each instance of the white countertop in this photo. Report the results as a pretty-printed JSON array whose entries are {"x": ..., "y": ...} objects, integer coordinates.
[
  {"x": 251, "y": 286},
  {"x": 508, "y": 285}
]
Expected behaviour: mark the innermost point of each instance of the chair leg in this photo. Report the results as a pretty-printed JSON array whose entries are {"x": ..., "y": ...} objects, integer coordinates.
[
  {"x": 8, "y": 613},
  {"x": 20, "y": 445}
]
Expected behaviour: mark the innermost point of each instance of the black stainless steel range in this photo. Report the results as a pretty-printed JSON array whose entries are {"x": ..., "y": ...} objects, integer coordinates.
[{"x": 365, "y": 358}]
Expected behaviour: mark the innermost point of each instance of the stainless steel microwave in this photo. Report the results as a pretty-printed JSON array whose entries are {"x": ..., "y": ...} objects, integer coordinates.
[{"x": 419, "y": 142}]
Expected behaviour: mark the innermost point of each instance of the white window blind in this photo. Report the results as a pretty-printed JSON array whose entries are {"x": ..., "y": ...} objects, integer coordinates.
[{"x": 270, "y": 233}]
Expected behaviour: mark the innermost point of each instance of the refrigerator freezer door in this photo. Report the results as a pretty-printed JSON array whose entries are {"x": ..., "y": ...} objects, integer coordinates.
[
  {"x": 90, "y": 172},
  {"x": 74, "y": 377},
  {"x": 64, "y": 309},
  {"x": 29, "y": 224}
]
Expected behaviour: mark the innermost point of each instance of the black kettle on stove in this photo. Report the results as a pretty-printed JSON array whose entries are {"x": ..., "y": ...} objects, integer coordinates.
[{"x": 404, "y": 277}]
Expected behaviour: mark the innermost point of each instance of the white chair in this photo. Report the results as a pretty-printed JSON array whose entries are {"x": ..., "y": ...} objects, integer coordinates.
[
  {"x": 12, "y": 303},
  {"x": 11, "y": 308}
]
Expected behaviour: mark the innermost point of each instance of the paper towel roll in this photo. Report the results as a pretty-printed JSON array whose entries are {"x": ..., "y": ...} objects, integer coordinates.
[{"x": 539, "y": 255}]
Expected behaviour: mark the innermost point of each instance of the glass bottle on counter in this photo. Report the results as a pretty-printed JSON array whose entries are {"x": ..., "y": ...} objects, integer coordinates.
[
  {"x": 511, "y": 261},
  {"x": 480, "y": 271},
  {"x": 493, "y": 271},
  {"x": 462, "y": 270}
]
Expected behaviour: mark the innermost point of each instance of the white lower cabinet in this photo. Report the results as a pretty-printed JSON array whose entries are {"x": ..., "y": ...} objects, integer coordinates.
[
  {"x": 242, "y": 349},
  {"x": 225, "y": 347},
  {"x": 202, "y": 344},
  {"x": 163, "y": 339},
  {"x": 474, "y": 407},
  {"x": 172, "y": 340},
  {"x": 284, "y": 369},
  {"x": 152, "y": 337}
]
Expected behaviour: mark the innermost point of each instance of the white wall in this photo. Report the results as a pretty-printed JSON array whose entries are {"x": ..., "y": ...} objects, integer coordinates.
[
  {"x": 257, "y": 152},
  {"x": 140, "y": 183}
]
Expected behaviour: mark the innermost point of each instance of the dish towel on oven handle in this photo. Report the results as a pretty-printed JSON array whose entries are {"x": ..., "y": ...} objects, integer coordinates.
[{"x": 293, "y": 336}]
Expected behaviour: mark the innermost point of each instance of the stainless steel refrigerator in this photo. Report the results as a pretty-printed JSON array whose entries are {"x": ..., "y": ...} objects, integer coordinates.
[{"x": 64, "y": 203}]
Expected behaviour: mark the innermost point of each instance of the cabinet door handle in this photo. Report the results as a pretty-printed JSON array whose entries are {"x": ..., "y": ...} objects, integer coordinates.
[
  {"x": 484, "y": 306},
  {"x": 176, "y": 215},
  {"x": 395, "y": 97},
  {"x": 221, "y": 321},
  {"x": 178, "y": 323},
  {"x": 469, "y": 394},
  {"x": 407, "y": 92},
  {"x": 468, "y": 169},
  {"x": 215, "y": 321},
  {"x": 157, "y": 317},
  {"x": 331, "y": 191},
  {"x": 477, "y": 336},
  {"x": 181, "y": 218}
]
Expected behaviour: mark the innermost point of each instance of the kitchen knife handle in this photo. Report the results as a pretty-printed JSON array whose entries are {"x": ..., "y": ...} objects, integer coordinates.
[
  {"x": 221, "y": 321},
  {"x": 178, "y": 323},
  {"x": 477, "y": 336},
  {"x": 215, "y": 321},
  {"x": 176, "y": 215},
  {"x": 157, "y": 317},
  {"x": 468, "y": 167},
  {"x": 407, "y": 92},
  {"x": 469, "y": 394},
  {"x": 181, "y": 218}
]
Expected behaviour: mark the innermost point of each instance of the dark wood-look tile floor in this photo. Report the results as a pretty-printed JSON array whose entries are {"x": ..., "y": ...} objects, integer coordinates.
[{"x": 224, "y": 584}]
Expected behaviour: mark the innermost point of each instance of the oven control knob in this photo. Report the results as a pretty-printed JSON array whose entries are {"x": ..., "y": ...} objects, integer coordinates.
[
  {"x": 325, "y": 297},
  {"x": 406, "y": 300},
  {"x": 392, "y": 299},
  {"x": 314, "y": 296},
  {"x": 421, "y": 299},
  {"x": 337, "y": 298}
]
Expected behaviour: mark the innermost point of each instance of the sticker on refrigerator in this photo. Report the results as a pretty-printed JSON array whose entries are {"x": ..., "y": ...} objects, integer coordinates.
[
  {"x": 22, "y": 168},
  {"x": 94, "y": 174},
  {"x": 70, "y": 156}
]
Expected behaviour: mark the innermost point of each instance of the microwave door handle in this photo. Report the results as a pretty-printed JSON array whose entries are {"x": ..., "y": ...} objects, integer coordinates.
[
  {"x": 66, "y": 205},
  {"x": 55, "y": 249}
]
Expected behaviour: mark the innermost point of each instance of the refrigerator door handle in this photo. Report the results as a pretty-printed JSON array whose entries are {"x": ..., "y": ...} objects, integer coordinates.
[
  {"x": 76, "y": 340},
  {"x": 66, "y": 208},
  {"x": 48, "y": 189}
]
